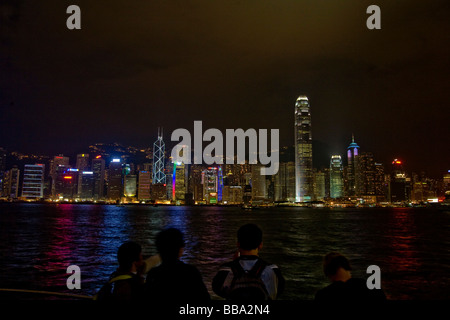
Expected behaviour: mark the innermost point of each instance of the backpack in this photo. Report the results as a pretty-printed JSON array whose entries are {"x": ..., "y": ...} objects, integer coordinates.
[
  {"x": 248, "y": 285},
  {"x": 106, "y": 291}
]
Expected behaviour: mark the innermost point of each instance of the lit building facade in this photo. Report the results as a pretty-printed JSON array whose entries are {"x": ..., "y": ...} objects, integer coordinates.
[
  {"x": 55, "y": 164},
  {"x": 11, "y": 183},
  {"x": 33, "y": 181},
  {"x": 82, "y": 162},
  {"x": 352, "y": 153},
  {"x": 98, "y": 169},
  {"x": 115, "y": 184},
  {"x": 303, "y": 151},
  {"x": 336, "y": 177},
  {"x": 399, "y": 186},
  {"x": 210, "y": 182},
  {"x": 86, "y": 185},
  {"x": 258, "y": 183},
  {"x": 284, "y": 182},
  {"x": 159, "y": 176},
  {"x": 130, "y": 185},
  {"x": 144, "y": 186},
  {"x": 365, "y": 174},
  {"x": 319, "y": 185}
]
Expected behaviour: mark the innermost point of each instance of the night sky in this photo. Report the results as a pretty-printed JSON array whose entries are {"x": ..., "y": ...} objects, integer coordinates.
[{"x": 137, "y": 65}]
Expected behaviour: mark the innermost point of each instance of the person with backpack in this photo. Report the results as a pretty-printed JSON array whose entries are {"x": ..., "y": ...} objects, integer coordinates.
[
  {"x": 248, "y": 277},
  {"x": 127, "y": 282}
]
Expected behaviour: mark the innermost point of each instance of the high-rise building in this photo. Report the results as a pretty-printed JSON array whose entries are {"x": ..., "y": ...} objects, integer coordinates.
[
  {"x": 158, "y": 192},
  {"x": 364, "y": 174},
  {"x": 336, "y": 177},
  {"x": 82, "y": 161},
  {"x": 144, "y": 186},
  {"x": 115, "y": 185},
  {"x": 352, "y": 152},
  {"x": 159, "y": 176},
  {"x": 399, "y": 188},
  {"x": 55, "y": 163},
  {"x": 195, "y": 185},
  {"x": 210, "y": 183},
  {"x": 11, "y": 183},
  {"x": 66, "y": 186},
  {"x": 86, "y": 185},
  {"x": 303, "y": 151},
  {"x": 319, "y": 185},
  {"x": 33, "y": 181},
  {"x": 130, "y": 184},
  {"x": 98, "y": 169},
  {"x": 179, "y": 181},
  {"x": 258, "y": 183},
  {"x": 284, "y": 182},
  {"x": 232, "y": 195},
  {"x": 380, "y": 184}
]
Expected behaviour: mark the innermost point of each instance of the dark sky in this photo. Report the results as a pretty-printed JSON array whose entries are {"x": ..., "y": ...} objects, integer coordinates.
[{"x": 137, "y": 65}]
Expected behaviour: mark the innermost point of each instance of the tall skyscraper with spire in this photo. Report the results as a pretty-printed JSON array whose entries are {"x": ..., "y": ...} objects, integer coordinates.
[
  {"x": 159, "y": 177},
  {"x": 352, "y": 154},
  {"x": 303, "y": 151}
]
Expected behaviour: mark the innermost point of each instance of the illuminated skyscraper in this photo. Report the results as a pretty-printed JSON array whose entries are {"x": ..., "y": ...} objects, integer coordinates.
[
  {"x": 33, "y": 181},
  {"x": 66, "y": 186},
  {"x": 284, "y": 182},
  {"x": 55, "y": 163},
  {"x": 319, "y": 185},
  {"x": 336, "y": 177},
  {"x": 159, "y": 176},
  {"x": 352, "y": 153},
  {"x": 130, "y": 185},
  {"x": 179, "y": 181},
  {"x": 98, "y": 169},
  {"x": 380, "y": 184},
  {"x": 258, "y": 183},
  {"x": 144, "y": 188},
  {"x": 11, "y": 183},
  {"x": 210, "y": 181},
  {"x": 303, "y": 151},
  {"x": 86, "y": 185},
  {"x": 82, "y": 161},
  {"x": 400, "y": 187},
  {"x": 365, "y": 174},
  {"x": 115, "y": 184}
]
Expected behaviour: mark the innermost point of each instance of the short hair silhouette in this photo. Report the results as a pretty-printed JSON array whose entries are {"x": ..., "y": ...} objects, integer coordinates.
[
  {"x": 128, "y": 253},
  {"x": 169, "y": 242},
  {"x": 249, "y": 236},
  {"x": 333, "y": 261}
]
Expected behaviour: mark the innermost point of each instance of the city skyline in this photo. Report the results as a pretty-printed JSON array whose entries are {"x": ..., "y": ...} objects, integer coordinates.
[
  {"x": 113, "y": 177},
  {"x": 133, "y": 68}
]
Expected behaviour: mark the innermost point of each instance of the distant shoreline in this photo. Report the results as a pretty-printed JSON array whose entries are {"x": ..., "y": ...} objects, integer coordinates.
[{"x": 244, "y": 207}]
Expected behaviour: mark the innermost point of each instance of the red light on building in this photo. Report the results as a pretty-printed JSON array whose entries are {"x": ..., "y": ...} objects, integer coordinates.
[{"x": 98, "y": 157}]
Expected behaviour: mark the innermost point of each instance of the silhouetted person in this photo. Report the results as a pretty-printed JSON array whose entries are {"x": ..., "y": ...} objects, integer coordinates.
[
  {"x": 248, "y": 277},
  {"x": 343, "y": 287},
  {"x": 174, "y": 280},
  {"x": 127, "y": 282}
]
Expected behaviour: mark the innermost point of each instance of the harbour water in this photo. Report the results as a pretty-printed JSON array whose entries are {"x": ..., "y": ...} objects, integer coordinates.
[{"x": 410, "y": 245}]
